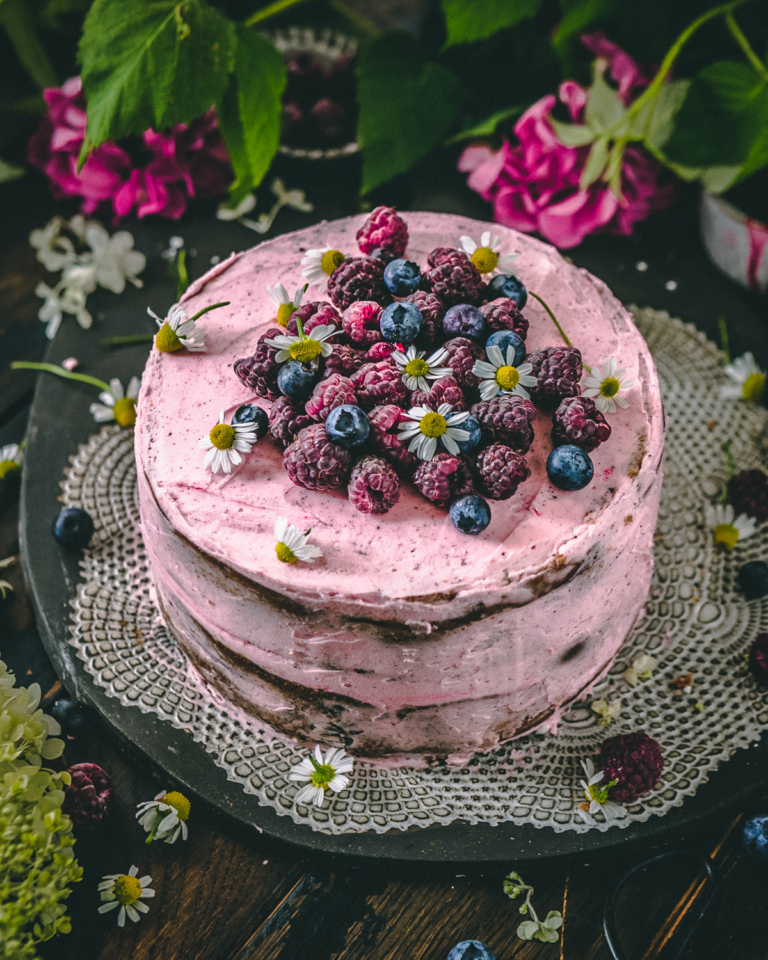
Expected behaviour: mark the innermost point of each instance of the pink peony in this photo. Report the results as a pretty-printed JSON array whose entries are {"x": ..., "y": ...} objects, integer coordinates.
[{"x": 534, "y": 185}]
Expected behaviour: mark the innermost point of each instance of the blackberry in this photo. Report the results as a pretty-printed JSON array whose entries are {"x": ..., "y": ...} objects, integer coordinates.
[
  {"x": 578, "y": 421},
  {"x": 286, "y": 419},
  {"x": 504, "y": 314},
  {"x": 316, "y": 313},
  {"x": 444, "y": 390},
  {"x": 330, "y": 393},
  {"x": 501, "y": 471},
  {"x": 384, "y": 229},
  {"x": 442, "y": 478},
  {"x": 361, "y": 323},
  {"x": 506, "y": 419},
  {"x": 379, "y": 351},
  {"x": 344, "y": 360},
  {"x": 374, "y": 487},
  {"x": 758, "y": 658},
  {"x": 359, "y": 278},
  {"x": 385, "y": 438},
  {"x": 462, "y": 354},
  {"x": 260, "y": 371},
  {"x": 440, "y": 255},
  {"x": 88, "y": 797},
  {"x": 312, "y": 461},
  {"x": 378, "y": 383},
  {"x": 634, "y": 761},
  {"x": 432, "y": 311},
  {"x": 558, "y": 371},
  {"x": 748, "y": 493},
  {"x": 453, "y": 277}
]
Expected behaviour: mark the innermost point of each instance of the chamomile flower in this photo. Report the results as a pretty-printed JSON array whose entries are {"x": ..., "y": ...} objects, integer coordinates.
[
  {"x": 319, "y": 264},
  {"x": 177, "y": 331},
  {"x": 498, "y": 374},
  {"x": 59, "y": 300},
  {"x": 642, "y": 669},
  {"x": 306, "y": 347},
  {"x": 605, "y": 386},
  {"x": 727, "y": 527},
  {"x": 417, "y": 371},
  {"x": 485, "y": 255},
  {"x": 165, "y": 817},
  {"x": 125, "y": 890},
  {"x": 606, "y": 711},
  {"x": 596, "y": 796},
  {"x": 319, "y": 773},
  {"x": 285, "y": 305},
  {"x": 292, "y": 544},
  {"x": 748, "y": 380},
  {"x": 11, "y": 456},
  {"x": 117, "y": 404},
  {"x": 226, "y": 443},
  {"x": 424, "y": 426}
]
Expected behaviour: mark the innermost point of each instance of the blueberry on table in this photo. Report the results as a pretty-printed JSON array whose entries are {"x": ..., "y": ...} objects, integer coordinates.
[
  {"x": 508, "y": 338},
  {"x": 471, "y": 950},
  {"x": 296, "y": 379},
  {"x": 569, "y": 467},
  {"x": 475, "y": 431},
  {"x": 400, "y": 322},
  {"x": 347, "y": 426},
  {"x": 470, "y": 514},
  {"x": 505, "y": 285},
  {"x": 752, "y": 579},
  {"x": 756, "y": 837},
  {"x": 71, "y": 716},
  {"x": 251, "y": 413},
  {"x": 401, "y": 277},
  {"x": 73, "y": 528},
  {"x": 464, "y": 320}
]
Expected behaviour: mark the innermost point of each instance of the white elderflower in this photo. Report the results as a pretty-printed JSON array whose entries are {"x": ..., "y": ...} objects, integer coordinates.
[
  {"x": 59, "y": 300},
  {"x": 285, "y": 305},
  {"x": 118, "y": 404},
  {"x": 605, "y": 386},
  {"x": 177, "y": 331},
  {"x": 486, "y": 256},
  {"x": 606, "y": 711},
  {"x": 596, "y": 796},
  {"x": 642, "y": 669},
  {"x": 319, "y": 264},
  {"x": 306, "y": 347},
  {"x": 226, "y": 443},
  {"x": 234, "y": 213},
  {"x": 320, "y": 773},
  {"x": 53, "y": 251},
  {"x": 417, "y": 371},
  {"x": 113, "y": 258},
  {"x": 125, "y": 890},
  {"x": 11, "y": 456},
  {"x": 165, "y": 817},
  {"x": 748, "y": 380},
  {"x": 424, "y": 426},
  {"x": 4, "y": 585},
  {"x": 498, "y": 374},
  {"x": 292, "y": 544},
  {"x": 728, "y": 529}
]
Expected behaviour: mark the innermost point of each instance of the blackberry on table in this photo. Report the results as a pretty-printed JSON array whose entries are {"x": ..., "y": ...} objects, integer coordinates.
[{"x": 634, "y": 761}]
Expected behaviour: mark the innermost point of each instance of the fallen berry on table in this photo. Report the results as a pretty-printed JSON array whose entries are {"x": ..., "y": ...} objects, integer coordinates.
[
  {"x": 756, "y": 838},
  {"x": 748, "y": 493},
  {"x": 758, "y": 658},
  {"x": 73, "y": 528},
  {"x": 471, "y": 950},
  {"x": 88, "y": 797},
  {"x": 634, "y": 761}
]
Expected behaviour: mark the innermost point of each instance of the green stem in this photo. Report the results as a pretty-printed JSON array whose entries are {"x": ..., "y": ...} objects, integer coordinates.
[
  {"x": 555, "y": 321},
  {"x": 124, "y": 341},
  {"x": 354, "y": 16},
  {"x": 182, "y": 281},
  {"x": 213, "y": 306},
  {"x": 271, "y": 10},
  {"x": 755, "y": 61},
  {"x": 60, "y": 372},
  {"x": 724, "y": 340}
]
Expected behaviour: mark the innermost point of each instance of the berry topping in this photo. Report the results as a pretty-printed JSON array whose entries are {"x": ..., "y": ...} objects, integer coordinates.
[
  {"x": 374, "y": 486},
  {"x": 344, "y": 360},
  {"x": 347, "y": 426},
  {"x": 296, "y": 379},
  {"x": 432, "y": 311},
  {"x": 452, "y": 276},
  {"x": 286, "y": 419},
  {"x": 73, "y": 528},
  {"x": 359, "y": 278},
  {"x": 508, "y": 338},
  {"x": 470, "y": 514},
  {"x": 558, "y": 372},
  {"x": 312, "y": 461},
  {"x": 475, "y": 432},
  {"x": 578, "y": 421},
  {"x": 506, "y": 419},
  {"x": 464, "y": 320},
  {"x": 361, "y": 322},
  {"x": 316, "y": 313},
  {"x": 441, "y": 255},
  {"x": 386, "y": 229},
  {"x": 443, "y": 477},
  {"x": 748, "y": 493},
  {"x": 444, "y": 390},
  {"x": 250, "y": 413},
  {"x": 88, "y": 796},
  {"x": 462, "y": 355},
  {"x": 758, "y": 658},
  {"x": 752, "y": 579},
  {"x": 385, "y": 438},
  {"x": 259, "y": 372},
  {"x": 402, "y": 277},
  {"x": 379, "y": 351},
  {"x": 400, "y": 322},
  {"x": 330, "y": 393},
  {"x": 634, "y": 761},
  {"x": 504, "y": 314},
  {"x": 508, "y": 287},
  {"x": 471, "y": 950},
  {"x": 569, "y": 468},
  {"x": 377, "y": 383},
  {"x": 501, "y": 471}
]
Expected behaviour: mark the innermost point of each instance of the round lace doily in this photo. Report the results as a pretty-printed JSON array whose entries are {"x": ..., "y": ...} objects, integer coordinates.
[{"x": 695, "y": 623}]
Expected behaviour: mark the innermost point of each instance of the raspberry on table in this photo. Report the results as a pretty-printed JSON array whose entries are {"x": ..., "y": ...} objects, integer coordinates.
[
  {"x": 462, "y": 354},
  {"x": 444, "y": 390},
  {"x": 384, "y": 229},
  {"x": 361, "y": 323},
  {"x": 286, "y": 419},
  {"x": 88, "y": 796},
  {"x": 758, "y": 658},
  {"x": 558, "y": 371},
  {"x": 359, "y": 278},
  {"x": 442, "y": 478},
  {"x": 344, "y": 360},
  {"x": 312, "y": 461},
  {"x": 379, "y": 383},
  {"x": 374, "y": 486},
  {"x": 578, "y": 421},
  {"x": 385, "y": 438},
  {"x": 504, "y": 314},
  {"x": 501, "y": 471},
  {"x": 379, "y": 351},
  {"x": 315, "y": 313},
  {"x": 506, "y": 419},
  {"x": 432, "y": 311},
  {"x": 259, "y": 372},
  {"x": 748, "y": 493},
  {"x": 332, "y": 392},
  {"x": 634, "y": 761},
  {"x": 453, "y": 277}
]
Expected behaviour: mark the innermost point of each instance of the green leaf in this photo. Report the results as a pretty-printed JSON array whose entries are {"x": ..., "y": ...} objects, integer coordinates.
[
  {"x": 572, "y": 134},
  {"x": 577, "y": 14},
  {"x": 757, "y": 159},
  {"x": 598, "y": 155},
  {"x": 655, "y": 120},
  {"x": 488, "y": 126},
  {"x": 407, "y": 106},
  {"x": 151, "y": 63},
  {"x": 470, "y": 20},
  {"x": 604, "y": 109},
  {"x": 528, "y": 929}
]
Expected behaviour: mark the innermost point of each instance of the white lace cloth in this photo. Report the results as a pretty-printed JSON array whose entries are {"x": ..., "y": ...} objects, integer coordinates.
[{"x": 695, "y": 622}]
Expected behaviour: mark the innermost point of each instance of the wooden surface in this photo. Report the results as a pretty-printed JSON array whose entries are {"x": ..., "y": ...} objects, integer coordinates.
[{"x": 225, "y": 895}]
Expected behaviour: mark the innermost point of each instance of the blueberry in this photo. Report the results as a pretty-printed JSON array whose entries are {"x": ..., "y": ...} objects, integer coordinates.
[
  {"x": 470, "y": 514},
  {"x": 73, "y": 528},
  {"x": 70, "y": 715},
  {"x": 464, "y": 320},
  {"x": 569, "y": 467},
  {"x": 752, "y": 579},
  {"x": 402, "y": 277},
  {"x": 400, "y": 322},
  {"x": 507, "y": 286},
  {"x": 347, "y": 426},
  {"x": 756, "y": 838},
  {"x": 508, "y": 338},
  {"x": 250, "y": 413},
  {"x": 472, "y": 426},
  {"x": 471, "y": 950},
  {"x": 296, "y": 380}
]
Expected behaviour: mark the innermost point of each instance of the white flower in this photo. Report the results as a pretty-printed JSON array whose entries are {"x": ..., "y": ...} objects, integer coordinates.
[
  {"x": 125, "y": 891},
  {"x": 117, "y": 404},
  {"x": 305, "y": 347},
  {"x": 424, "y": 426},
  {"x": 292, "y": 544},
  {"x": 174, "y": 245},
  {"x": 4, "y": 585},
  {"x": 11, "y": 456},
  {"x": 225, "y": 444},
  {"x": 607, "y": 711},
  {"x": 180, "y": 332},
  {"x": 285, "y": 305},
  {"x": 597, "y": 796},
  {"x": 58, "y": 301},
  {"x": 321, "y": 773},
  {"x": 53, "y": 251},
  {"x": 606, "y": 386},
  {"x": 114, "y": 258},
  {"x": 165, "y": 817},
  {"x": 486, "y": 256},
  {"x": 748, "y": 380},
  {"x": 728, "y": 528},
  {"x": 642, "y": 669},
  {"x": 417, "y": 371},
  {"x": 234, "y": 213},
  {"x": 498, "y": 374},
  {"x": 319, "y": 264}
]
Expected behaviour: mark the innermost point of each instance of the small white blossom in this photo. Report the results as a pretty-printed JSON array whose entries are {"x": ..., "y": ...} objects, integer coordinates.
[
  {"x": 605, "y": 386},
  {"x": 596, "y": 795},
  {"x": 234, "y": 213},
  {"x": 306, "y": 348},
  {"x": 424, "y": 426},
  {"x": 486, "y": 256},
  {"x": 417, "y": 371},
  {"x": 186, "y": 331},
  {"x": 320, "y": 773},
  {"x": 498, "y": 374},
  {"x": 226, "y": 443},
  {"x": 728, "y": 528},
  {"x": 642, "y": 669},
  {"x": 4, "y": 585},
  {"x": 117, "y": 404},
  {"x": 174, "y": 245},
  {"x": 11, "y": 456},
  {"x": 319, "y": 264},
  {"x": 607, "y": 711},
  {"x": 114, "y": 258},
  {"x": 165, "y": 817},
  {"x": 53, "y": 250},
  {"x": 125, "y": 891},
  {"x": 58, "y": 301},
  {"x": 292, "y": 544},
  {"x": 748, "y": 380}
]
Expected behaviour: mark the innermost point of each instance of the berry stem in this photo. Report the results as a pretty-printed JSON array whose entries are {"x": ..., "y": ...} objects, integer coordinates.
[
  {"x": 555, "y": 321},
  {"x": 213, "y": 306},
  {"x": 59, "y": 372},
  {"x": 270, "y": 11},
  {"x": 123, "y": 341}
]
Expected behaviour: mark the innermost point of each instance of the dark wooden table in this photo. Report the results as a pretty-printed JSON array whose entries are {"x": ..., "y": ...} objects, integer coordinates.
[{"x": 230, "y": 895}]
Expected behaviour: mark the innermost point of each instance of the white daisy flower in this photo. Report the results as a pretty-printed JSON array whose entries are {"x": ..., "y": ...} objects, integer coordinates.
[
  {"x": 285, "y": 305},
  {"x": 118, "y": 404},
  {"x": 596, "y": 795},
  {"x": 417, "y": 371},
  {"x": 234, "y": 213},
  {"x": 59, "y": 300},
  {"x": 498, "y": 374},
  {"x": 113, "y": 258},
  {"x": 11, "y": 456},
  {"x": 606, "y": 711},
  {"x": 606, "y": 386},
  {"x": 292, "y": 544},
  {"x": 320, "y": 773},
  {"x": 177, "y": 331},
  {"x": 728, "y": 528},
  {"x": 319, "y": 264},
  {"x": 225, "y": 444},
  {"x": 174, "y": 245},
  {"x": 424, "y": 426},
  {"x": 125, "y": 890},
  {"x": 306, "y": 347},
  {"x": 642, "y": 669},
  {"x": 748, "y": 380},
  {"x": 486, "y": 256},
  {"x": 4, "y": 585},
  {"x": 53, "y": 251},
  {"x": 165, "y": 817}
]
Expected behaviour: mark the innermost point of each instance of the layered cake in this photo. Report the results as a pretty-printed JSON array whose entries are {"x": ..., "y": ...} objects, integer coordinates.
[{"x": 409, "y": 638}]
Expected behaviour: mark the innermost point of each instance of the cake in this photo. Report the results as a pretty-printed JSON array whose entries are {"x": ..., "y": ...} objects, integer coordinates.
[{"x": 409, "y": 641}]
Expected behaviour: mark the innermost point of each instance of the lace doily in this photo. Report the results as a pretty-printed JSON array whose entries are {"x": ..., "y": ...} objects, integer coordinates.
[{"x": 696, "y": 622}]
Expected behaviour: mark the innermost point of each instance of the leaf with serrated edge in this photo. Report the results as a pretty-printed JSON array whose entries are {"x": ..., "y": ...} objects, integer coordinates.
[
  {"x": 595, "y": 164},
  {"x": 572, "y": 134},
  {"x": 604, "y": 109},
  {"x": 654, "y": 121},
  {"x": 470, "y": 20}
]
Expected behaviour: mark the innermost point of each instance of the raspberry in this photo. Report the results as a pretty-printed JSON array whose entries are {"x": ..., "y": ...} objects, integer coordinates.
[
  {"x": 374, "y": 486},
  {"x": 748, "y": 493},
  {"x": 444, "y": 390},
  {"x": 432, "y": 311},
  {"x": 558, "y": 371},
  {"x": 442, "y": 478},
  {"x": 385, "y": 229},
  {"x": 312, "y": 461},
  {"x": 377, "y": 383},
  {"x": 506, "y": 419},
  {"x": 578, "y": 421},
  {"x": 501, "y": 471},
  {"x": 344, "y": 360},
  {"x": 259, "y": 372},
  {"x": 361, "y": 322},
  {"x": 88, "y": 797},
  {"x": 758, "y": 658},
  {"x": 313, "y": 314},
  {"x": 328, "y": 394},
  {"x": 453, "y": 277},
  {"x": 359, "y": 278},
  {"x": 504, "y": 314},
  {"x": 440, "y": 255},
  {"x": 385, "y": 438},
  {"x": 462, "y": 354},
  {"x": 379, "y": 351},
  {"x": 634, "y": 761},
  {"x": 286, "y": 418}
]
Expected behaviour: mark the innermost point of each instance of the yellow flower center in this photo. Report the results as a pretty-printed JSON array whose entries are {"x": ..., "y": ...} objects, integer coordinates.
[
  {"x": 753, "y": 387},
  {"x": 726, "y": 535},
  {"x": 179, "y": 803},
  {"x": 609, "y": 387},
  {"x": 124, "y": 411},
  {"x": 222, "y": 436},
  {"x": 305, "y": 350},
  {"x": 331, "y": 260},
  {"x": 6, "y": 467},
  {"x": 284, "y": 312},
  {"x": 285, "y": 554},
  {"x": 127, "y": 890},
  {"x": 166, "y": 340},
  {"x": 417, "y": 367},
  {"x": 433, "y": 425},
  {"x": 507, "y": 378},
  {"x": 485, "y": 259},
  {"x": 322, "y": 775}
]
